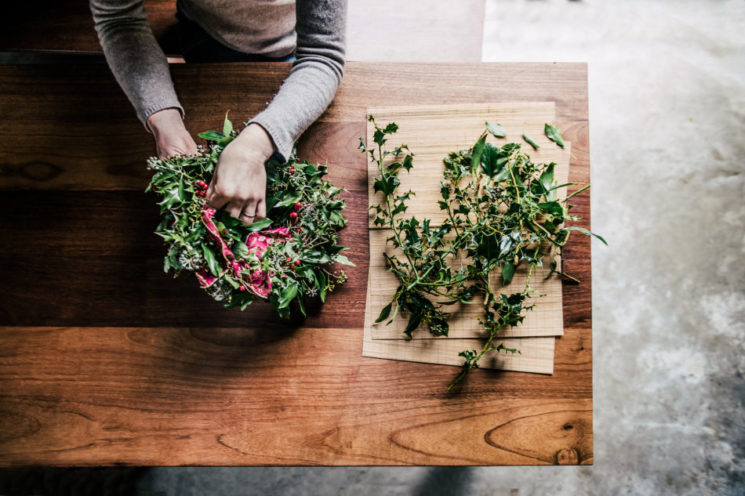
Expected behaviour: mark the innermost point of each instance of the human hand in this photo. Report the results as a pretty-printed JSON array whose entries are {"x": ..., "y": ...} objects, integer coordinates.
[
  {"x": 239, "y": 182},
  {"x": 171, "y": 136}
]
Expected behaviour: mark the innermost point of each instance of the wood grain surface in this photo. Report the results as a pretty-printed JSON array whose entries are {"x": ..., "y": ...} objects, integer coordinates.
[
  {"x": 67, "y": 25},
  {"x": 106, "y": 360}
]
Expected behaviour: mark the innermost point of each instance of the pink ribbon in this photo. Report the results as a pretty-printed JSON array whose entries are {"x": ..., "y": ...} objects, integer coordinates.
[{"x": 257, "y": 243}]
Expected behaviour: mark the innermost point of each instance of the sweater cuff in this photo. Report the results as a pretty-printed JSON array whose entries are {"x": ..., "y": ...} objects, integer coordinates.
[
  {"x": 283, "y": 142},
  {"x": 157, "y": 107}
]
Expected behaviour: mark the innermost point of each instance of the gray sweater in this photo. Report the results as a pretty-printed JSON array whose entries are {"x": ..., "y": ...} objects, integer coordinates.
[{"x": 315, "y": 29}]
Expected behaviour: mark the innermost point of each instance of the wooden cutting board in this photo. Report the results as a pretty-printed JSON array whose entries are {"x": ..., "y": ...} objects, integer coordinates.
[{"x": 431, "y": 133}]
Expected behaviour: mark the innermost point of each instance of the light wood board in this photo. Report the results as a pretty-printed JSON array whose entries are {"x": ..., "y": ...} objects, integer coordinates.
[
  {"x": 535, "y": 354},
  {"x": 431, "y": 132}
]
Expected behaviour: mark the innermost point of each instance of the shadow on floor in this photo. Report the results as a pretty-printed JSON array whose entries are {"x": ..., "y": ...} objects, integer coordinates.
[
  {"x": 450, "y": 481},
  {"x": 121, "y": 481}
]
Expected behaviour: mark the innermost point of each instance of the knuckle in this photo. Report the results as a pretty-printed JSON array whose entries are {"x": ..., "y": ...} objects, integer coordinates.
[{"x": 221, "y": 190}]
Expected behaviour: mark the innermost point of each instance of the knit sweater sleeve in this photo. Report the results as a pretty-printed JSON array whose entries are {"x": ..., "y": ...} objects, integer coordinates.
[
  {"x": 315, "y": 75},
  {"x": 134, "y": 56}
]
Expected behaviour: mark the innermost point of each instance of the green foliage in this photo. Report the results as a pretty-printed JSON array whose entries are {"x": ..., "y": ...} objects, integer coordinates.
[
  {"x": 293, "y": 186},
  {"x": 531, "y": 141},
  {"x": 496, "y": 129},
  {"x": 553, "y": 134},
  {"x": 503, "y": 211}
]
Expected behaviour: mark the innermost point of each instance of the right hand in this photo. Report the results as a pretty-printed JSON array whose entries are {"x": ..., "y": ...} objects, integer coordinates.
[{"x": 171, "y": 136}]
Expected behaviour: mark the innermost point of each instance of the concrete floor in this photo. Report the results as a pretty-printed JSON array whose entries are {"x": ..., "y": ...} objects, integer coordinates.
[{"x": 667, "y": 113}]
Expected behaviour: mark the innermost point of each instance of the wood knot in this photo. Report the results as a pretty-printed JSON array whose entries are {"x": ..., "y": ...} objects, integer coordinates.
[{"x": 567, "y": 456}]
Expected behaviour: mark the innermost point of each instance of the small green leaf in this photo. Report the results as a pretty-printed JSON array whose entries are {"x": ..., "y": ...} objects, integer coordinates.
[
  {"x": 288, "y": 200},
  {"x": 554, "y": 134},
  {"x": 496, "y": 129},
  {"x": 379, "y": 137},
  {"x": 531, "y": 142},
  {"x": 181, "y": 195},
  {"x": 227, "y": 126},
  {"x": 342, "y": 260},
  {"x": 490, "y": 163},
  {"x": 240, "y": 250},
  {"x": 259, "y": 225},
  {"x": 391, "y": 128},
  {"x": 288, "y": 294},
  {"x": 209, "y": 256},
  {"x": 508, "y": 271},
  {"x": 478, "y": 149},
  {"x": 414, "y": 321},
  {"x": 211, "y": 136},
  {"x": 547, "y": 180},
  {"x": 384, "y": 313}
]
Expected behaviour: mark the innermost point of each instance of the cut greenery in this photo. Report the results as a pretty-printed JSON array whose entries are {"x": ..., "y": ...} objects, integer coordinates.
[{"x": 502, "y": 211}]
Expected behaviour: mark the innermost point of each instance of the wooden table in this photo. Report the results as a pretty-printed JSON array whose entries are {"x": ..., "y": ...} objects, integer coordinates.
[{"x": 106, "y": 360}]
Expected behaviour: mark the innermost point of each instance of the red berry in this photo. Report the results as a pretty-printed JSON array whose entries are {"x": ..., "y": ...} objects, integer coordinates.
[
  {"x": 297, "y": 262},
  {"x": 202, "y": 184},
  {"x": 242, "y": 288},
  {"x": 288, "y": 259},
  {"x": 298, "y": 206},
  {"x": 292, "y": 170},
  {"x": 293, "y": 215}
]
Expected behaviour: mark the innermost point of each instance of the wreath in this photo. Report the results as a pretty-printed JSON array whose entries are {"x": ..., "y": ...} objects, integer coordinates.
[{"x": 282, "y": 258}]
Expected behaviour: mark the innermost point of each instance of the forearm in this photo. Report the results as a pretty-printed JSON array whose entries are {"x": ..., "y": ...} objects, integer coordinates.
[
  {"x": 134, "y": 56},
  {"x": 314, "y": 77}
]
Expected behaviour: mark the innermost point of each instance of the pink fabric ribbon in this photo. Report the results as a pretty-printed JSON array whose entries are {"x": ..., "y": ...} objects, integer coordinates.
[{"x": 260, "y": 281}]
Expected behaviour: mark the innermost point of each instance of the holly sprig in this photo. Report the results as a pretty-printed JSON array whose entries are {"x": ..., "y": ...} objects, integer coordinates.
[
  {"x": 306, "y": 208},
  {"x": 502, "y": 211}
]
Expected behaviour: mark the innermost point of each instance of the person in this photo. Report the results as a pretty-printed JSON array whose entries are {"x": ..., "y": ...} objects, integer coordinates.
[{"x": 309, "y": 32}]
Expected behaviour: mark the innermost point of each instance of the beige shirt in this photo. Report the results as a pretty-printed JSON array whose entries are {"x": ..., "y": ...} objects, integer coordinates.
[{"x": 264, "y": 27}]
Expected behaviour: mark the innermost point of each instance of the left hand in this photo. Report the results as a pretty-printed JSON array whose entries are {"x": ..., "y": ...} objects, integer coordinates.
[{"x": 239, "y": 182}]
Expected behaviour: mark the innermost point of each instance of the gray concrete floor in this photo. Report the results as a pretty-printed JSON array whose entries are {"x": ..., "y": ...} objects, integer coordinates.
[{"x": 667, "y": 114}]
